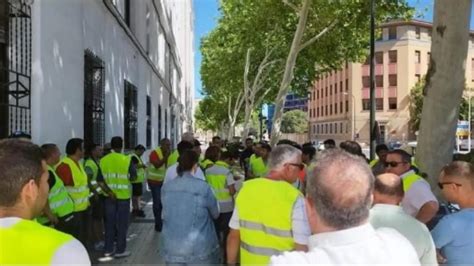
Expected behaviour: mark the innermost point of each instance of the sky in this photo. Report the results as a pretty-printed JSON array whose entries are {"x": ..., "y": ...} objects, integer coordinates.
[{"x": 206, "y": 15}]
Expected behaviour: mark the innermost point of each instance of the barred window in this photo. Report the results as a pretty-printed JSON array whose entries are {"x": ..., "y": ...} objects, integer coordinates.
[
  {"x": 94, "y": 99},
  {"x": 130, "y": 116}
]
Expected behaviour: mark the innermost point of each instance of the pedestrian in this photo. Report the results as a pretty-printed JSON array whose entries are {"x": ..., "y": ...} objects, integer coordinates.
[
  {"x": 217, "y": 142},
  {"x": 337, "y": 203},
  {"x": 118, "y": 172},
  {"x": 245, "y": 155},
  {"x": 352, "y": 147},
  {"x": 172, "y": 173},
  {"x": 93, "y": 153},
  {"x": 221, "y": 180},
  {"x": 23, "y": 195},
  {"x": 386, "y": 212},
  {"x": 308, "y": 158},
  {"x": 197, "y": 149},
  {"x": 173, "y": 157},
  {"x": 454, "y": 234},
  {"x": 329, "y": 144},
  {"x": 137, "y": 184},
  {"x": 211, "y": 156},
  {"x": 419, "y": 200},
  {"x": 189, "y": 207},
  {"x": 258, "y": 161},
  {"x": 74, "y": 177},
  {"x": 59, "y": 210},
  {"x": 269, "y": 215},
  {"x": 156, "y": 174},
  {"x": 378, "y": 165}
]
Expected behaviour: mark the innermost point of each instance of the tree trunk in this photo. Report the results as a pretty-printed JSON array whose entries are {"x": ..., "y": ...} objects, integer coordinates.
[
  {"x": 444, "y": 86},
  {"x": 288, "y": 74}
]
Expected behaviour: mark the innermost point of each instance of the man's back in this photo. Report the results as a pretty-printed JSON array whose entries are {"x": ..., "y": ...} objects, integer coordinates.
[
  {"x": 391, "y": 216},
  {"x": 359, "y": 245},
  {"x": 454, "y": 235}
]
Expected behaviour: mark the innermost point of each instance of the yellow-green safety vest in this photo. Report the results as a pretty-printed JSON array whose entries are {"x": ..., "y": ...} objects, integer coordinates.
[
  {"x": 409, "y": 180},
  {"x": 173, "y": 158},
  {"x": 59, "y": 201},
  {"x": 206, "y": 163},
  {"x": 218, "y": 181},
  {"x": 29, "y": 243},
  {"x": 140, "y": 171},
  {"x": 157, "y": 174},
  {"x": 115, "y": 167},
  {"x": 258, "y": 167},
  {"x": 91, "y": 164},
  {"x": 373, "y": 163},
  {"x": 80, "y": 192},
  {"x": 265, "y": 216}
]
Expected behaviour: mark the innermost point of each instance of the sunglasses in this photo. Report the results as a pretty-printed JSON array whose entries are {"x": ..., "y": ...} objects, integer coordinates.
[
  {"x": 441, "y": 185},
  {"x": 393, "y": 164},
  {"x": 299, "y": 165}
]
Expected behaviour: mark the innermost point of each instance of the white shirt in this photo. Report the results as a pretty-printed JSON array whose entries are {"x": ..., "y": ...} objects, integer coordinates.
[
  {"x": 392, "y": 216},
  {"x": 362, "y": 245},
  {"x": 299, "y": 222},
  {"x": 172, "y": 173},
  {"x": 418, "y": 195},
  {"x": 71, "y": 253}
]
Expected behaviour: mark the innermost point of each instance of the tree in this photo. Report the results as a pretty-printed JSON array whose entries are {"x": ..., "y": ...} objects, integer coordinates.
[
  {"x": 445, "y": 81},
  {"x": 416, "y": 106},
  {"x": 294, "y": 121}
]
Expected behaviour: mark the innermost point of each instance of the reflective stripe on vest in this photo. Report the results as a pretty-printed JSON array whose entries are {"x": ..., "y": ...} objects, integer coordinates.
[
  {"x": 29, "y": 243},
  {"x": 206, "y": 164},
  {"x": 409, "y": 180},
  {"x": 115, "y": 168},
  {"x": 80, "y": 192},
  {"x": 265, "y": 216},
  {"x": 91, "y": 164},
  {"x": 140, "y": 171},
  {"x": 157, "y": 174},
  {"x": 259, "y": 169},
  {"x": 59, "y": 201},
  {"x": 217, "y": 180},
  {"x": 173, "y": 158}
]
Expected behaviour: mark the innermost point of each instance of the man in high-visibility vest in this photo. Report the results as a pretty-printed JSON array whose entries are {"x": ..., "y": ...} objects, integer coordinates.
[
  {"x": 378, "y": 165},
  {"x": 211, "y": 156},
  {"x": 173, "y": 157},
  {"x": 269, "y": 216},
  {"x": 258, "y": 161},
  {"x": 156, "y": 175},
  {"x": 419, "y": 200},
  {"x": 74, "y": 177},
  {"x": 118, "y": 172},
  {"x": 23, "y": 196},
  {"x": 137, "y": 185},
  {"x": 221, "y": 180},
  {"x": 59, "y": 211}
]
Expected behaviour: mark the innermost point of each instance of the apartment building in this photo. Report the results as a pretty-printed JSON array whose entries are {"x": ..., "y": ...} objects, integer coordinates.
[{"x": 339, "y": 103}]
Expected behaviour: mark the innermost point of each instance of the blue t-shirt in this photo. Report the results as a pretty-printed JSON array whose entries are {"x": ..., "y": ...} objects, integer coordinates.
[{"x": 454, "y": 235}]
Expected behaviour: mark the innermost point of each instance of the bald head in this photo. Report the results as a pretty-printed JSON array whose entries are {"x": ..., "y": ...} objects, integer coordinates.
[
  {"x": 388, "y": 189},
  {"x": 342, "y": 196}
]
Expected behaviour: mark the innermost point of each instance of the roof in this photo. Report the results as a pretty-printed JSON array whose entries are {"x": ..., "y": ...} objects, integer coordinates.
[{"x": 412, "y": 22}]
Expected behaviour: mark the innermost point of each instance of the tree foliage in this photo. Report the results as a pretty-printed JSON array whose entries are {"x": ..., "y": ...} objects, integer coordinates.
[
  {"x": 294, "y": 121},
  {"x": 416, "y": 106}
]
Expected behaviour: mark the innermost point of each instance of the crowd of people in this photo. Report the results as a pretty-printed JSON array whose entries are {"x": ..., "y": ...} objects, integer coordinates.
[{"x": 254, "y": 204}]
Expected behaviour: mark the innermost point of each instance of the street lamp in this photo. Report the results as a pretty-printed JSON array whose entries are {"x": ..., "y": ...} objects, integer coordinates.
[
  {"x": 372, "y": 80},
  {"x": 353, "y": 114}
]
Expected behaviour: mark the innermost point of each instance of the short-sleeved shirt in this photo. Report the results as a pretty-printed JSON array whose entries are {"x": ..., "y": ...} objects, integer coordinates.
[
  {"x": 65, "y": 173},
  {"x": 454, "y": 235},
  {"x": 299, "y": 222},
  {"x": 418, "y": 195},
  {"x": 224, "y": 207}
]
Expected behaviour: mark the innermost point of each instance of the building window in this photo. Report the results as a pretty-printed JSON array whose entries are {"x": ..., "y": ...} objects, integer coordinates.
[
  {"x": 326, "y": 91},
  {"x": 417, "y": 57},
  {"x": 379, "y": 104},
  {"x": 392, "y": 103},
  {"x": 130, "y": 116},
  {"x": 94, "y": 99},
  {"x": 392, "y": 56},
  {"x": 330, "y": 128},
  {"x": 347, "y": 84},
  {"x": 127, "y": 13},
  {"x": 417, "y": 32},
  {"x": 379, "y": 58},
  {"x": 417, "y": 77},
  {"x": 335, "y": 88},
  {"x": 325, "y": 128},
  {"x": 160, "y": 117},
  {"x": 341, "y": 129},
  {"x": 317, "y": 94},
  {"x": 148, "y": 122},
  {"x": 392, "y": 80},
  {"x": 15, "y": 67},
  {"x": 347, "y": 106},
  {"x": 330, "y": 90},
  {"x": 317, "y": 112},
  {"x": 326, "y": 110},
  {"x": 330, "y": 109},
  {"x": 366, "y": 82},
  {"x": 366, "y": 104},
  {"x": 379, "y": 81},
  {"x": 392, "y": 33},
  {"x": 340, "y": 87},
  {"x": 340, "y": 107},
  {"x": 335, "y": 108}
]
